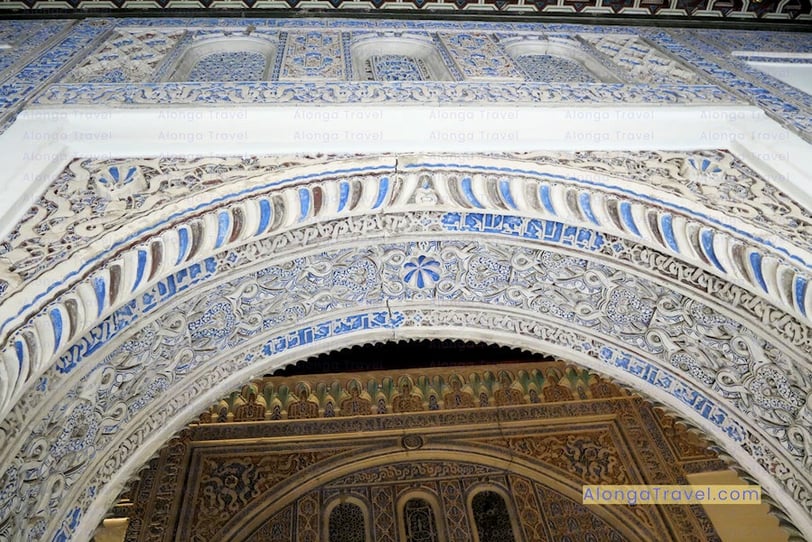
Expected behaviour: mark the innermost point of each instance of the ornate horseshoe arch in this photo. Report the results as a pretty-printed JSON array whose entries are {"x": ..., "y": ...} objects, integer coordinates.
[{"x": 681, "y": 276}]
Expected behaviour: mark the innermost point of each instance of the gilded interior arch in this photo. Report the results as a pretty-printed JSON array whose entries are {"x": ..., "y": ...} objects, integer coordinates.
[
  {"x": 470, "y": 458},
  {"x": 182, "y": 289},
  {"x": 535, "y": 452}
]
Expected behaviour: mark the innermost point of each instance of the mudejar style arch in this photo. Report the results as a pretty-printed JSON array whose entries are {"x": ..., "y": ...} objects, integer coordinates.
[{"x": 238, "y": 266}]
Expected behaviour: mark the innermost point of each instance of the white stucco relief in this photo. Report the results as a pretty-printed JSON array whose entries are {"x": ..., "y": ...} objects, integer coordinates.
[
  {"x": 203, "y": 236},
  {"x": 414, "y": 235}
]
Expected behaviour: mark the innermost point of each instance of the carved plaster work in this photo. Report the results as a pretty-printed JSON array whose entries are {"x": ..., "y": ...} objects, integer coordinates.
[
  {"x": 466, "y": 52},
  {"x": 783, "y": 102},
  {"x": 208, "y": 484},
  {"x": 478, "y": 56},
  {"x": 800, "y": 101},
  {"x": 127, "y": 57},
  {"x": 37, "y": 52},
  {"x": 667, "y": 63},
  {"x": 226, "y": 57},
  {"x": 161, "y": 346},
  {"x": 102, "y": 196},
  {"x": 213, "y": 314},
  {"x": 280, "y": 398},
  {"x": 407, "y": 57},
  {"x": 560, "y": 59},
  {"x": 313, "y": 55},
  {"x": 642, "y": 61},
  {"x": 20, "y": 40},
  {"x": 428, "y": 92},
  {"x": 138, "y": 55},
  {"x": 130, "y": 291}
]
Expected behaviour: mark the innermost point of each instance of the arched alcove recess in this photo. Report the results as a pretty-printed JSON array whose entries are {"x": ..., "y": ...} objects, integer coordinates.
[
  {"x": 567, "y": 50},
  {"x": 506, "y": 509},
  {"x": 362, "y": 511},
  {"x": 263, "y": 48},
  {"x": 249, "y": 520},
  {"x": 130, "y": 342},
  {"x": 418, "y": 52}
]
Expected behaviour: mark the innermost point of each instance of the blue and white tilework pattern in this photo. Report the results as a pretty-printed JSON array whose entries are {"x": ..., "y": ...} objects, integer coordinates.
[
  {"x": 229, "y": 66},
  {"x": 313, "y": 55},
  {"x": 396, "y": 68},
  {"x": 316, "y": 50},
  {"x": 554, "y": 69},
  {"x": 670, "y": 66}
]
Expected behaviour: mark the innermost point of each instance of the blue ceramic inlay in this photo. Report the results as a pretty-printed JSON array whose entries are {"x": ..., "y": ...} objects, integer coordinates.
[
  {"x": 223, "y": 223},
  {"x": 183, "y": 244},
  {"x": 504, "y": 189},
  {"x": 264, "y": 215},
  {"x": 100, "y": 287},
  {"x": 468, "y": 190},
  {"x": 544, "y": 194},
  {"x": 668, "y": 232},
  {"x": 383, "y": 188},
  {"x": 706, "y": 238}
]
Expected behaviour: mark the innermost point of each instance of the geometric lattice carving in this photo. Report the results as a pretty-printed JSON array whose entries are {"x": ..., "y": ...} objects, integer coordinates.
[
  {"x": 418, "y": 517},
  {"x": 405, "y": 58},
  {"x": 554, "y": 69},
  {"x": 229, "y": 66},
  {"x": 347, "y": 523},
  {"x": 492, "y": 518},
  {"x": 396, "y": 68}
]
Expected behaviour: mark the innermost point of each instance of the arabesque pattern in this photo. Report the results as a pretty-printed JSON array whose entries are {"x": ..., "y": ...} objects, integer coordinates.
[
  {"x": 585, "y": 300},
  {"x": 136, "y": 291}
]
